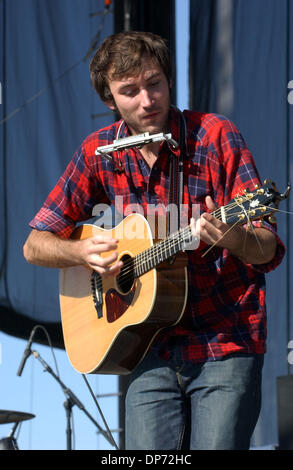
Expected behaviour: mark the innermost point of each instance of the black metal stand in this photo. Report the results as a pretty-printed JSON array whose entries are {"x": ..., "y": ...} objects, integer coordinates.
[
  {"x": 9, "y": 443},
  {"x": 68, "y": 405}
]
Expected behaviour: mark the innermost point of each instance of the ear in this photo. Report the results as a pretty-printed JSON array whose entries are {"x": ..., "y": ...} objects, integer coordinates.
[{"x": 111, "y": 105}]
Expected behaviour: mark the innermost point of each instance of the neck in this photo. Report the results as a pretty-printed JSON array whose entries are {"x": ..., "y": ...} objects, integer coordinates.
[{"x": 150, "y": 152}]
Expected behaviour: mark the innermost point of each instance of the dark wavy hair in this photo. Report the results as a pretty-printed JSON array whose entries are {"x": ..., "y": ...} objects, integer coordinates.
[{"x": 120, "y": 56}]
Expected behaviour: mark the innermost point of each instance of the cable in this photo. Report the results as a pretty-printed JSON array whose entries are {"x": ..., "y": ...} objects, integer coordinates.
[
  {"x": 100, "y": 411},
  {"x": 41, "y": 327}
]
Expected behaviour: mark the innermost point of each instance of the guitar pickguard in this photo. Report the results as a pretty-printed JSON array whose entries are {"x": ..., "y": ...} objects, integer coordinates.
[{"x": 117, "y": 304}]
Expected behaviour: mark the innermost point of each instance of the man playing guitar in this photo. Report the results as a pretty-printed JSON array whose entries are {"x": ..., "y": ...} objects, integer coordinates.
[{"x": 199, "y": 385}]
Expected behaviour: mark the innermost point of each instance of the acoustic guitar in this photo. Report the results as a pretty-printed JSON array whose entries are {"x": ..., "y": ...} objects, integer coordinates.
[{"x": 109, "y": 323}]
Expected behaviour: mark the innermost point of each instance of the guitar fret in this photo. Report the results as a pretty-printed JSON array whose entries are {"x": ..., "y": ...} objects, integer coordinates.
[
  {"x": 223, "y": 214},
  {"x": 161, "y": 251}
]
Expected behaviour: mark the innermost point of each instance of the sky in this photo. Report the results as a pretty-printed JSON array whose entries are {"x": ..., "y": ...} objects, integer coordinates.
[{"x": 36, "y": 391}]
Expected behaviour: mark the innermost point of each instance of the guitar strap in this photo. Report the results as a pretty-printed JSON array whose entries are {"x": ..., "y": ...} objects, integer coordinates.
[{"x": 176, "y": 176}]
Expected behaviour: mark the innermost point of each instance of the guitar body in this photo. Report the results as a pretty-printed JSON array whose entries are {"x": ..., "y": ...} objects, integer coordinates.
[{"x": 115, "y": 336}]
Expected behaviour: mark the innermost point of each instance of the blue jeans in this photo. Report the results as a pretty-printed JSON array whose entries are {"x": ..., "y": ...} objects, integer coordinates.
[{"x": 179, "y": 405}]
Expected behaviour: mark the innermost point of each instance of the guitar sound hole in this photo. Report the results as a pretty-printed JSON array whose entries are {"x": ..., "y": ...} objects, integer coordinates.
[{"x": 125, "y": 278}]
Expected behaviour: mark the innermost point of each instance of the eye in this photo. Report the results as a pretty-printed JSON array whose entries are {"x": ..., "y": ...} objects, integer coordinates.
[
  {"x": 154, "y": 84},
  {"x": 129, "y": 92}
]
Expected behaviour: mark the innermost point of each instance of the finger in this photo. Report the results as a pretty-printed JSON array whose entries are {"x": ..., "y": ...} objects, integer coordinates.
[
  {"x": 195, "y": 227},
  {"x": 98, "y": 239},
  {"x": 103, "y": 261},
  {"x": 210, "y": 230},
  {"x": 101, "y": 248},
  {"x": 101, "y": 244},
  {"x": 210, "y": 203},
  {"x": 114, "y": 269},
  {"x": 103, "y": 238},
  {"x": 208, "y": 219},
  {"x": 108, "y": 271}
]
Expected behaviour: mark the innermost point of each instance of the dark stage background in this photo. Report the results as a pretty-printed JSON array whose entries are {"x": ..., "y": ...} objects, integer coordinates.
[{"x": 240, "y": 65}]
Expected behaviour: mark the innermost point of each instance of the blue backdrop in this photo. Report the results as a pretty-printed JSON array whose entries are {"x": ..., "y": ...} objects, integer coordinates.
[{"x": 51, "y": 108}]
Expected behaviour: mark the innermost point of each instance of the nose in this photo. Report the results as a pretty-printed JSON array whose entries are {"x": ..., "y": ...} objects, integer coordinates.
[{"x": 146, "y": 98}]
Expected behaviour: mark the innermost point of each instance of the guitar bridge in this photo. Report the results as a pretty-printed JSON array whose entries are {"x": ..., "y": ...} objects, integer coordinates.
[{"x": 97, "y": 291}]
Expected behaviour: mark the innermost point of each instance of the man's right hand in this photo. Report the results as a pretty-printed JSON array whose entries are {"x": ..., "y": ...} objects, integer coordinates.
[
  {"x": 47, "y": 249},
  {"x": 91, "y": 251}
]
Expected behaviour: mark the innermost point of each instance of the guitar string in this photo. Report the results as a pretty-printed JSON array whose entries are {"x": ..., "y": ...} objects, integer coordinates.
[
  {"x": 142, "y": 262},
  {"x": 160, "y": 248},
  {"x": 146, "y": 261},
  {"x": 125, "y": 273},
  {"x": 217, "y": 213},
  {"x": 156, "y": 250},
  {"x": 253, "y": 231},
  {"x": 214, "y": 244}
]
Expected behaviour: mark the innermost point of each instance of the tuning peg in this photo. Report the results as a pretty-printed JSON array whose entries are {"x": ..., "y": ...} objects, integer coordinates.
[
  {"x": 267, "y": 181},
  {"x": 286, "y": 193},
  {"x": 272, "y": 219}
]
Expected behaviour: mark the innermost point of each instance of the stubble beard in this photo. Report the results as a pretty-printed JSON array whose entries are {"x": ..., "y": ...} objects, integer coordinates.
[{"x": 136, "y": 128}]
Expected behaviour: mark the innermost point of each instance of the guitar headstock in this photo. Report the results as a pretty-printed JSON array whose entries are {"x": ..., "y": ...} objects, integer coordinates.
[{"x": 252, "y": 205}]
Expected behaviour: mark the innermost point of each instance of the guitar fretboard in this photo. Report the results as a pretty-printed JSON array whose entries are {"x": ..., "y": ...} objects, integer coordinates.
[
  {"x": 243, "y": 208},
  {"x": 165, "y": 249},
  {"x": 161, "y": 251}
]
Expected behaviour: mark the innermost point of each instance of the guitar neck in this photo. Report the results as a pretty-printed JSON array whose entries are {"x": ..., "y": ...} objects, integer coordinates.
[
  {"x": 161, "y": 251},
  {"x": 251, "y": 205},
  {"x": 170, "y": 246}
]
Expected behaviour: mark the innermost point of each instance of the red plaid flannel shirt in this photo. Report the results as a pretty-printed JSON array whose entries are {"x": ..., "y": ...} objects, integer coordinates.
[{"x": 225, "y": 311}]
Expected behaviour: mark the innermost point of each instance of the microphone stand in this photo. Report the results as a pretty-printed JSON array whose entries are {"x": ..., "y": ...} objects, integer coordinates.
[{"x": 69, "y": 403}]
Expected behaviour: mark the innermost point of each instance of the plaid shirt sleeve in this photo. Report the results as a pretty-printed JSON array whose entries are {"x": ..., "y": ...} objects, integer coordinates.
[
  {"x": 279, "y": 253},
  {"x": 234, "y": 168},
  {"x": 71, "y": 200}
]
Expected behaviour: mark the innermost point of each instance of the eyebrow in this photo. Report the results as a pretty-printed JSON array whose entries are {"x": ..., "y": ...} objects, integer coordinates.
[{"x": 131, "y": 84}]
